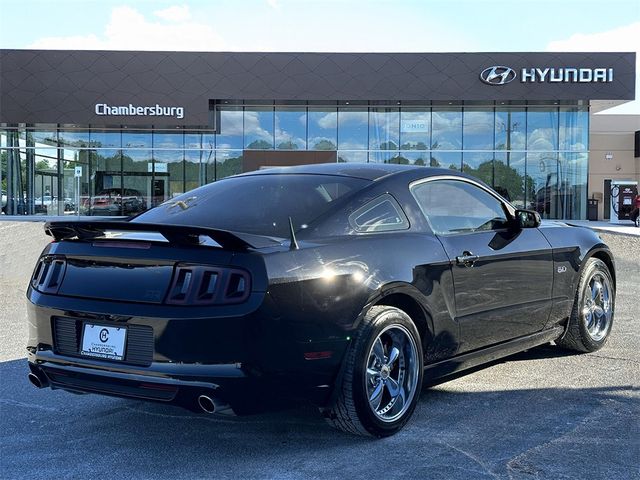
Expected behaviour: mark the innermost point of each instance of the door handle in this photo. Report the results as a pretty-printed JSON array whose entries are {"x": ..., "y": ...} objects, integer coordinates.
[{"x": 467, "y": 259}]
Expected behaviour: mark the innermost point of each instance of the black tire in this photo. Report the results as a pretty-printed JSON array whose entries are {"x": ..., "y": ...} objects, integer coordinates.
[
  {"x": 578, "y": 335},
  {"x": 351, "y": 411}
]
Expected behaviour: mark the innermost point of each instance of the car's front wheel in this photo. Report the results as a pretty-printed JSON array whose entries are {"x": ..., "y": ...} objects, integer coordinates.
[
  {"x": 382, "y": 378},
  {"x": 592, "y": 315}
]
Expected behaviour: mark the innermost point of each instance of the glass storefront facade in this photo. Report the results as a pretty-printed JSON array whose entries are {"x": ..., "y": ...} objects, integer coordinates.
[{"x": 536, "y": 155}]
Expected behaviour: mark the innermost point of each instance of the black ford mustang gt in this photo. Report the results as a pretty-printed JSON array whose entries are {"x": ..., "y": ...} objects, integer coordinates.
[{"x": 343, "y": 285}]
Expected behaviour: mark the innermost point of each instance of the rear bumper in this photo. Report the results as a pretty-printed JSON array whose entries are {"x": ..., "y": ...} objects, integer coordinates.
[
  {"x": 228, "y": 384},
  {"x": 250, "y": 362}
]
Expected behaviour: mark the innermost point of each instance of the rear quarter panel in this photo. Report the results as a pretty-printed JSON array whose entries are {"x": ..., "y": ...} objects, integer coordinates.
[{"x": 322, "y": 290}]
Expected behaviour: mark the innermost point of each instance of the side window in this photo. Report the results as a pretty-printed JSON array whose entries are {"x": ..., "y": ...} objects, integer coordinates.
[
  {"x": 454, "y": 206},
  {"x": 381, "y": 214}
]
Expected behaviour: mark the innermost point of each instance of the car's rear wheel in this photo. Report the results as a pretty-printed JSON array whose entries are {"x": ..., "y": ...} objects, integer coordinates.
[
  {"x": 593, "y": 308},
  {"x": 382, "y": 378}
]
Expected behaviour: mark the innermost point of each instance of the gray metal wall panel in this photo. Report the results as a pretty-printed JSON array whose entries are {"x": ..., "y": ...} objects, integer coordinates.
[{"x": 54, "y": 86}]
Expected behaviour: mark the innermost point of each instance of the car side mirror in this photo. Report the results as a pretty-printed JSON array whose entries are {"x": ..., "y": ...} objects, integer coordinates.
[{"x": 527, "y": 219}]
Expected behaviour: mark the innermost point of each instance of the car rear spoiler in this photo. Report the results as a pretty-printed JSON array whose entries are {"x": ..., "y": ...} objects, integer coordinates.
[{"x": 178, "y": 234}]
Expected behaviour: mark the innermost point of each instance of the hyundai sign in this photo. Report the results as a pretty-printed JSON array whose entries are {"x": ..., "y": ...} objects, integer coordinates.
[{"x": 501, "y": 75}]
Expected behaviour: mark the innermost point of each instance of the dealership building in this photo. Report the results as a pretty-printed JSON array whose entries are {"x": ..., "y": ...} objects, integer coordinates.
[{"x": 138, "y": 128}]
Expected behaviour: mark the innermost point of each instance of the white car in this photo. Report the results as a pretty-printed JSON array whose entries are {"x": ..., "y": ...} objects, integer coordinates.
[{"x": 3, "y": 202}]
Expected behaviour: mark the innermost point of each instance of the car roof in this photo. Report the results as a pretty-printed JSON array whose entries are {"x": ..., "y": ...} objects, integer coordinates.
[{"x": 367, "y": 171}]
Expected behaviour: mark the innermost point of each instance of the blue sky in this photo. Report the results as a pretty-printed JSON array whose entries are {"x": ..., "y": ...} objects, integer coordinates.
[{"x": 329, "y": 25}]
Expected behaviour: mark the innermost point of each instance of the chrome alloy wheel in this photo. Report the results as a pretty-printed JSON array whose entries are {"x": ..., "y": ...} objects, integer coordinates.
[
  {"x": 597, "y": 306},
  {"x": 392, "y": 373}
]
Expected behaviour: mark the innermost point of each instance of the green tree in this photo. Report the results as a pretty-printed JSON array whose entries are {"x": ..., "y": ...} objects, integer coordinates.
[
  {"x": 399, "y": 159},
  {"x": 42, "y": 165},
  {"x": 288, "y": 145},
  {"x": 228, "y": 167},
  {"x": 260, "y": 145},
  {"x": 324, "y": 145},
  {"x": 388, "y": 146}
]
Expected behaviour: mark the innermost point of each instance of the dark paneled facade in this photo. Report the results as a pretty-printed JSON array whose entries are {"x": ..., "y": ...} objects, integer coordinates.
[{"x": 145, "y": 126}]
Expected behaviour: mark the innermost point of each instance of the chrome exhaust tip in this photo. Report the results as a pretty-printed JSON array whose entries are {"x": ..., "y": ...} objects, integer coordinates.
[
  {"x": 207, "y": 404},
  {"x": 36, "y": 381}
]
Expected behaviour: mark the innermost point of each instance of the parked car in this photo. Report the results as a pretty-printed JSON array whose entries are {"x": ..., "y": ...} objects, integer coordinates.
[
  {"x": 45, "y": 204},
  {"x": 343, "y": 285},
  {"x": 49, "y": 204},
  {"x": 118, "y": 201},
  {"x": 3, "y": 201}
]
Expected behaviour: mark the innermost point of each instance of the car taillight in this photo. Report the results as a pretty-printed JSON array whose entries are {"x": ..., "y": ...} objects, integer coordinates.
[
  {"x": 47, "y": 277},
  {"x": 208, "y": 285}
]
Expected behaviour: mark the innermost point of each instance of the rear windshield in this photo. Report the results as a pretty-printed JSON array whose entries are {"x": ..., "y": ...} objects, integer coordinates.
[{"x": 259, "y": 204}]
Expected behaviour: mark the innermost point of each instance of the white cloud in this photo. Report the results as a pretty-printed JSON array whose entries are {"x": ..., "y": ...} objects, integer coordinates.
[
  {"x": 330, "y": 120},
  {"x": 621, "y": 39},
  {"x": 128, "y": 29},
  {"x": 175, "y": 13},
  {"x": 275, "y": 4}
]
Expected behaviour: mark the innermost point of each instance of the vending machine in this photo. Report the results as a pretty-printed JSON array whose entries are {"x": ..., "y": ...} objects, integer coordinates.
[{"x": 623, "y": 194}]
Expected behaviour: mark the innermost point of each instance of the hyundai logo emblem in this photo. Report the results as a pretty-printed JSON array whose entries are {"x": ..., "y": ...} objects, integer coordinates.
[
  {"x": 498, "y": 75},
  {"x": 104, "y": 335}
]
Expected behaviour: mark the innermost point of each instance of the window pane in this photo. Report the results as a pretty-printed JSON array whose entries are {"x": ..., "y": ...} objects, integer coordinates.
[
  {"x": 228, "y": 162},
  {"x": 572, "y": 168},
  {"x": 196, "y": 166},
  {"x": 323, "y": 125},
  {"x": 73, "y": 138},
  {"x": 478, "y": 129},
  {"x": 574, "y": 129},
  {"x": 510, "y": 129},
  {"x": 46, "y": 186},
  {"x": 542, "y": 129},
  {"x": 137, "y": 168},
  {"x": 192, "y": 170},
  {"x": 352, "y": 129},
  {"x": 106, "y": 186},
  {"x": 415, "y": 125},
  {"x": 168, "y": 140},
  {"x": 451, "y": 160},
  {"x": 198, "y": 140},
  {"x": 480, "y": 165},
  {"x": 482, "y": 211},
  {"x": 509, "y": 176},
  {"x": 105, "y": 139},
  {"x": 73, "y": 191},
  {"x": 44, "y": 137},
  {"x": 416, "y": 158},
  {"x": 291, "y": 128},
  {"x": 3, "y": 180},
  {"x": 447, "y": 129},
  {"x": 386, "y": 157},
  {"x": 258, "y": 128},
  {"x": 352, "y": 156},
  {"x": 168, "y": 175},
  {"x": 383, "y": 128},
  {"x": 542, "y": 184},
  {"x": 380, "y": 215},
  {"x": 231, "y": 130}
]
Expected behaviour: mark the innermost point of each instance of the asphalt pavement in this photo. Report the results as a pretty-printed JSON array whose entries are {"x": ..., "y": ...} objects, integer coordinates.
[{"x": 541, "y": 414}]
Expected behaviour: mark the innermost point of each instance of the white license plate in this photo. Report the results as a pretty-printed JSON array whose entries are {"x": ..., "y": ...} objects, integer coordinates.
[{"x": 103, "y": 342}]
